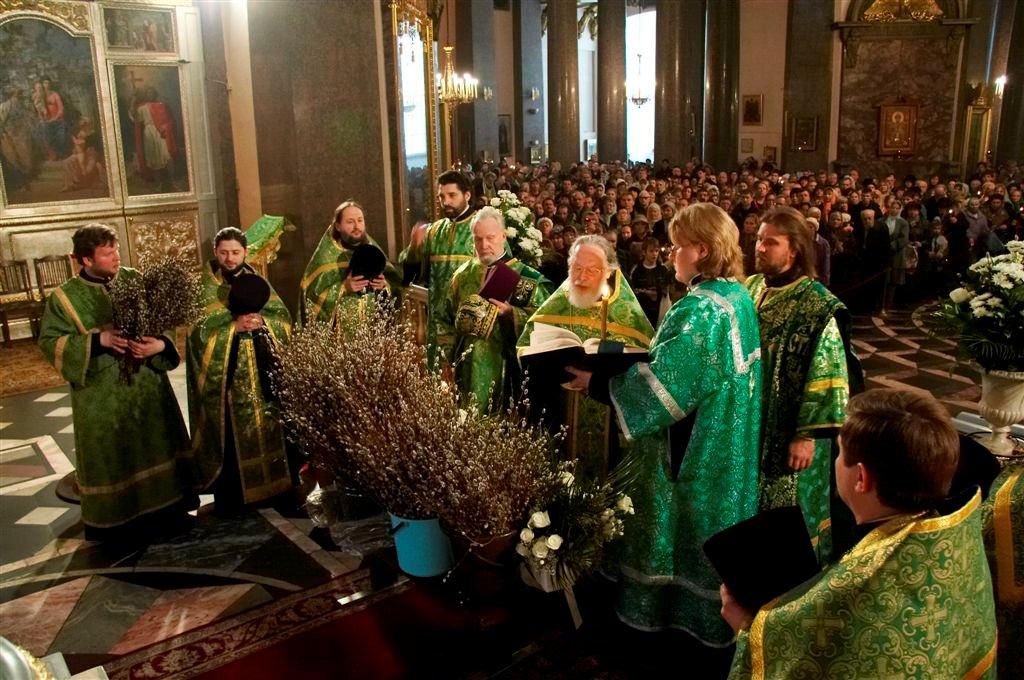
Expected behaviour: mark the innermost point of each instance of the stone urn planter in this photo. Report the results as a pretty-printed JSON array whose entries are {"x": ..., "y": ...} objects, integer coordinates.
[{"x": 1002, "y": 405}]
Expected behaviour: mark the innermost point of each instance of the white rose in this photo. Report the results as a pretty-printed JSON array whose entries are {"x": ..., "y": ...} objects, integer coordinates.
[
  {"x": 539, "y": 550},
  {"x": 534, "y": 233},
  {"x": 625, "y": 504},
  {"x": 527, "y": 244},
  {"x": 554, "y": 541},
  {"x": 526, "y": 536},
  {"x": 608, "y": 514},
  {"x": 522, "y": 550},
  {"x": 566, "y": 478},
  {"x": 539, "y": 520},
  {"x": 511, "y": 232},
  {"x": 960, "y": 295},
  {"x": 495, "y": 202}
]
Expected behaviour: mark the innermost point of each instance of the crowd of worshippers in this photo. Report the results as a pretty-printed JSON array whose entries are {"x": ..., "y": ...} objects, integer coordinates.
[
  {"x": 876, "y": 239},
  {"x": 744, "y": 413}
]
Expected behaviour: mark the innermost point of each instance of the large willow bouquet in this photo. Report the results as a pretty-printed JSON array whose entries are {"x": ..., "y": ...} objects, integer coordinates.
[
  {"x": 364, "y": 405},
  {"x": 167, "y": 295},
  {"x": 986, "y": 315}
]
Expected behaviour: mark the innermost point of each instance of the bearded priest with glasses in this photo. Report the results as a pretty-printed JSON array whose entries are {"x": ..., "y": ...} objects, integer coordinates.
[{"x": 595, "y": 302}]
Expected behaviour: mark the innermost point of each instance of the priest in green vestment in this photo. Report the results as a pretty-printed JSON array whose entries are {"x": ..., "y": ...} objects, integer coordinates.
[
  {"x": 128, "y": 438},
  {"x": 328, "y": 293},
  {"x": 913, "y": 598},
  {"x": 1003, "y": 522},
  {"x": 238, "y": 446},
  {"x": 488, "y": 328},
  {"x": 447, "y": 244},
  {"x": 694, "y": 415},
  {"x": 594, "y": 302},
  {"x": 805, "y": 336}
]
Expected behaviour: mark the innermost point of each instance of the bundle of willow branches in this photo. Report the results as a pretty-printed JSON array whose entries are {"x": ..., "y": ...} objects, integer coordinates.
[
  {"x": 167, "y": 295},
  {"x": 363, "y": 404}
]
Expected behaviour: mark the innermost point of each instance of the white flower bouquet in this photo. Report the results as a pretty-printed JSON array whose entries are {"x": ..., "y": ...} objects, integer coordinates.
[
  {"x": 567, "y": 536},
  {"x": 986, "y": 315},
  {"x": 523, "y": 238}
]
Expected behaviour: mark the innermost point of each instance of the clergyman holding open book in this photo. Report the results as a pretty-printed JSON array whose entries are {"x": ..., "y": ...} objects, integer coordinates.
[{"x": 594, "y": 303}]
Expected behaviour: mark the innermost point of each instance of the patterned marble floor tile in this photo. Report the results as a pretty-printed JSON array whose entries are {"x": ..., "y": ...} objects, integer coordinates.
[
  {"x": 33, "y": 621},
  {"x": 42, "y": 516},
  {"x": 178, "y": 611},
  {"x": 107, "y": 609},
  {"x": 214, "y": 543}
]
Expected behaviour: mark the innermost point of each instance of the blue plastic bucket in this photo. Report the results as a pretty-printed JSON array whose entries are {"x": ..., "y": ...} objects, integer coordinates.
[{"x": 423, "y": 548}]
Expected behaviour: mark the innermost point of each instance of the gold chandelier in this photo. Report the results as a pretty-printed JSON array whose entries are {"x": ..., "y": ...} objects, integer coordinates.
[{"x": 453, "y": 89}]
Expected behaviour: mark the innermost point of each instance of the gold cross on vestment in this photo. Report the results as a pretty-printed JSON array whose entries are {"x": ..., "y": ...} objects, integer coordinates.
[
  {"x": 929, "y": 616},
  {"x": 822, "y": 624},
  {"x": 882, "y": 670}
]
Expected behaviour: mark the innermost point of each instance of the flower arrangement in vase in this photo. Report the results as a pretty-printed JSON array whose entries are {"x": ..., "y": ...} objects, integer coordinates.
[
  {"x": 567, "y": 534},
  {"x": 986, "y": 318},
  {"x": 523, "y": 238}
]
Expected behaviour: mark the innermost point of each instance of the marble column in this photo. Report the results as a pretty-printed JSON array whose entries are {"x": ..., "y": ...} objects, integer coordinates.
[
  {"x": 563, "y": 84},
  {"x": 808, "y": 88},
  {"x": 721, "y": 117},
  {"x": 529, "y": 78},
  {"x": 679, "y": 91},
  {"x": 1011, "y": 127},
  {"x": 476, "y": 129},
  {"x": 611, "y": 81}
]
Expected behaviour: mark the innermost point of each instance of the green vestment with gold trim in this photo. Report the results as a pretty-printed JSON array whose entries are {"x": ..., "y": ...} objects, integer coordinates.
[
  {"x": 446, "y": 247},
  {"x": 1003, "y": 522},
  {"x": 806, "y": 390},
  {"x": 322, "y": 294},
  {"x": 129, "y": 439},
  {"x": 258, "y": 438},
  {"x": 913, "y": 599},
  {"x": 619, "y": 318},
  {"x": 706, "y": 369},
  {"x": 490, "y": 371}
]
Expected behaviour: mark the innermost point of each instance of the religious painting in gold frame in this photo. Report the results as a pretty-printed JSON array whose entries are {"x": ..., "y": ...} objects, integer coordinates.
[
  {"x": 412, "y": 33},
  {"x": 752, "y": 108},
  {"x": 897, "y": 129}
]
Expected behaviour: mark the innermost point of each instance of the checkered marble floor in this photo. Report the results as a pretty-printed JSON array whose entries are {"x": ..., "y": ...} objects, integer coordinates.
[{"x": 97, "y": 602}]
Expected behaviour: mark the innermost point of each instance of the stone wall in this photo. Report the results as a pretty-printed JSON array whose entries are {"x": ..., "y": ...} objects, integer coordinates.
[{"x": 918, "y": 69}]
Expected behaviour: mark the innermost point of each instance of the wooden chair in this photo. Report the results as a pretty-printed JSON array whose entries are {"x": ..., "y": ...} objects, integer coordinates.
[
  {"x": 17, "y": 299},
  {"x": 51, "y": 272}
]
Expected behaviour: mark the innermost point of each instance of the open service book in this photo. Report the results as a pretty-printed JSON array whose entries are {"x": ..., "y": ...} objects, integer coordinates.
[{"x": 551, "y": 349}]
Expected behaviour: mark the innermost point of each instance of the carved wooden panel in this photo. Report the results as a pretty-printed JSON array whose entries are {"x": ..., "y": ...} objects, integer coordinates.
[
  {"x": 74, "y": 14},
  {"x": 153, "y": 237}
]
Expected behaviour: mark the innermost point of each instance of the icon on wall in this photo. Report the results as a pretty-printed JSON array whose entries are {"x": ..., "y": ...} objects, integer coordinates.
[
  {"x": 504, "y": 135},
  {"x": 771, "y": 154},
  {"x": 753, "y": 109},
  {"x": 803, "y": 133},
  {"x": 897, "y": 128}
]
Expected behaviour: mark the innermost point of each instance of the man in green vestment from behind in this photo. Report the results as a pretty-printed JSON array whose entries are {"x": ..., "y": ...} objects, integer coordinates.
[
  {"x": 805, "y": 337},
  {"x": 440, "y": 249},
  {"x": 693, "y": 416},
  {"x": 594, "y": 302},
  {"x": 489, "y": 328},
  {"x": 328, "y": 293},
  {"x": 913, "y": 598},
  {"x": 128, "y": 438},
  {"x": 238, "y": 445}
]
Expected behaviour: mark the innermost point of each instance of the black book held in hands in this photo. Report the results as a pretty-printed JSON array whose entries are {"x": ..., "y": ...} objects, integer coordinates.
[
  {"x": 552, "y": 349},
  {"x": 764, "y": 556}
]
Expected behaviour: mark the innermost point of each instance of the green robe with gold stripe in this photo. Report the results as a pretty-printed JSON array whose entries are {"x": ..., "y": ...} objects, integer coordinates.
[
  {"x": 128, "y": 438},
  {"x": 912, "y": 600},
  {"x": 447, "y": 246},
  {"x": 258, "y": 438},
  {"x": 322, "y": 294},
  {"x": 705, "y": 369},
  {"x": 805, "y": 394},
  {"x": 490, "y": 371},
  {"x": 619, "y": 317},
  {"x": 1003, "y": 521}
]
